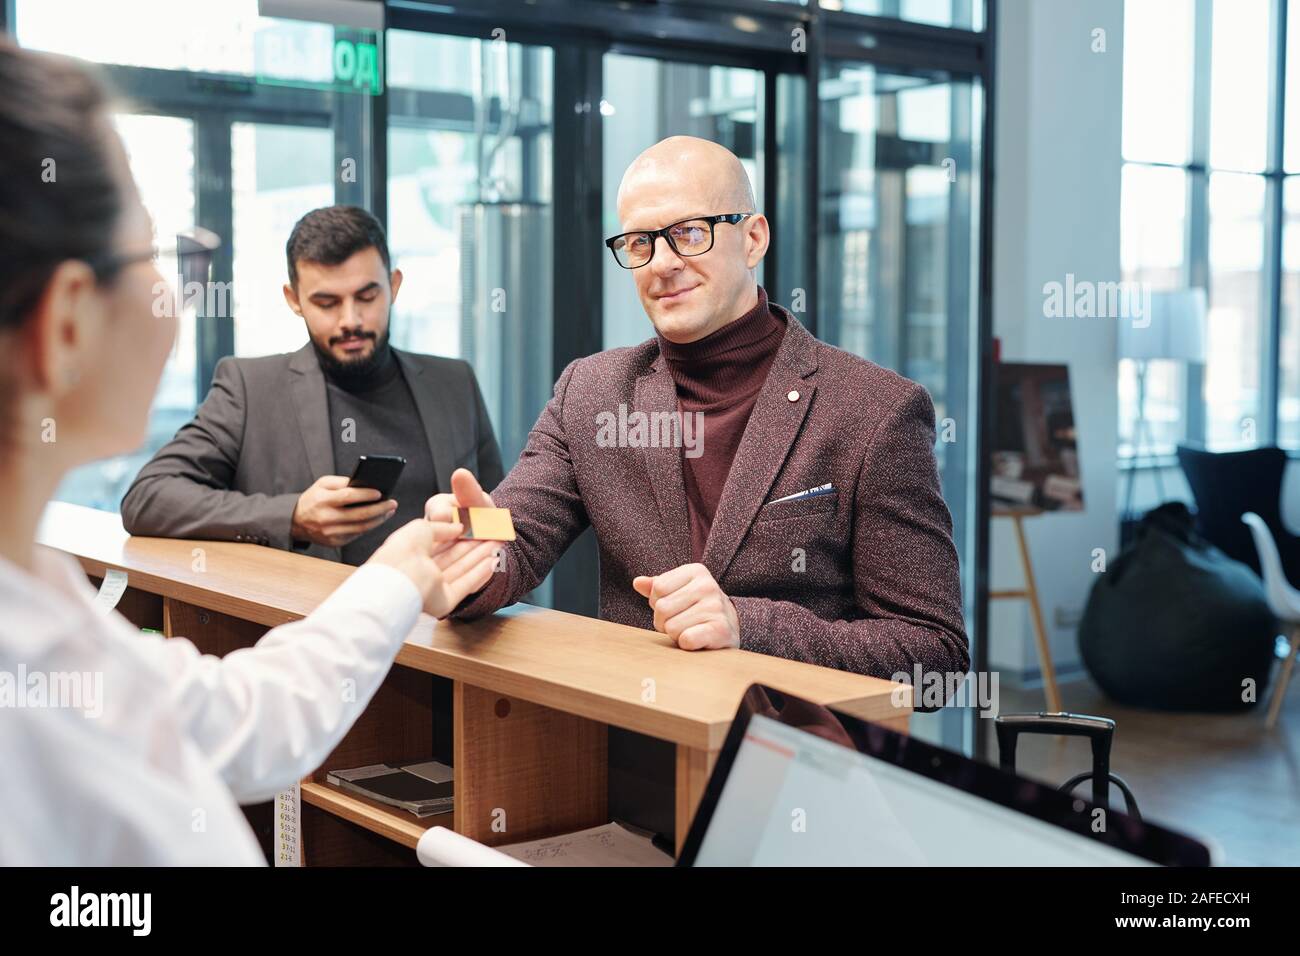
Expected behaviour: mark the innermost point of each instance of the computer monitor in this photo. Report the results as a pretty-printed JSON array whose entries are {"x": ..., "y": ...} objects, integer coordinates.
[{"x": 798, "y": 784}]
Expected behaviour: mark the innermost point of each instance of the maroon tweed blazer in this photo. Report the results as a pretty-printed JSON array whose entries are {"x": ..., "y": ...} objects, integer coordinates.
[{"x": 864, "y": 579}]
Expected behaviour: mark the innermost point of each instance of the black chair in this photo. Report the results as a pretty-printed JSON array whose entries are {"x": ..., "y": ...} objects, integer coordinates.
[{"x": 1226, "y": 485}]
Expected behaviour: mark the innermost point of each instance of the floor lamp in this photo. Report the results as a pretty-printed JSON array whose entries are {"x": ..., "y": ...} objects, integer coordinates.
[{"x": 1176, "y": 331}]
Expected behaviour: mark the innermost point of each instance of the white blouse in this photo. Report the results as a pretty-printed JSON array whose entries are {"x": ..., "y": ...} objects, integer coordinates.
[{"x": 140, "y": 748}]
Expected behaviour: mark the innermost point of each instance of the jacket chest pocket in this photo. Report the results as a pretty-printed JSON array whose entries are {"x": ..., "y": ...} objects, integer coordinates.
[
  {"x": 790, "y": 537},
  {"x": 817, "y": 508}
]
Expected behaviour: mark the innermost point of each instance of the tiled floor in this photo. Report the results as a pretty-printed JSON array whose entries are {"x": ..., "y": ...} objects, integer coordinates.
[{"x": 1221, "y": 776}]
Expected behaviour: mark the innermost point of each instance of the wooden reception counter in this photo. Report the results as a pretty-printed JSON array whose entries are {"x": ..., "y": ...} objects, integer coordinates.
[{"x": 533, "y": 691}]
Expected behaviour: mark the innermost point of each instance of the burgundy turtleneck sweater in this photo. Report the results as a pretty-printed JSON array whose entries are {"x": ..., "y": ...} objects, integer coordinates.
[{"x": 721, "y": 376}]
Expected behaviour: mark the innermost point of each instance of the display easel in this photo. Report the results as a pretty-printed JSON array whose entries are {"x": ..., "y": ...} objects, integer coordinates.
[{"x": 1030, "y": 593}]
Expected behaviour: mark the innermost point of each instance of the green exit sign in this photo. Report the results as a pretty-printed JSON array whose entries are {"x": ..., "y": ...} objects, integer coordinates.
[
  {"x": 358, "y": 66},
  {"x": 336, "y": 59}
]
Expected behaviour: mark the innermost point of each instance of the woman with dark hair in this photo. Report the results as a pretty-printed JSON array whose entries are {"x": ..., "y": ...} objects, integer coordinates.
[{"x": 155, "y": 771}]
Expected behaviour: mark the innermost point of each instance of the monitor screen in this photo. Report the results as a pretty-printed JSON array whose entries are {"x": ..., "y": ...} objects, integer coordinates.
[{"x": 801, "y": 785}]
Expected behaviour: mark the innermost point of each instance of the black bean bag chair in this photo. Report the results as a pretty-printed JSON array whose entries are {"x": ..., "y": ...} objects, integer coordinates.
[{"x": 1175, "y": 624}]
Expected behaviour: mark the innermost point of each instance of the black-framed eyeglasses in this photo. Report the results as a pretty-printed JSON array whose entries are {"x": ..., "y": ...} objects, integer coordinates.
[
  {"x": 689, "y": 237},
  {"x": 192, "y": 251}
]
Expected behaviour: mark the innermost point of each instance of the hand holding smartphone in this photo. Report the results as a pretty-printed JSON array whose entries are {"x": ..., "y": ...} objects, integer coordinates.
[{"x": 379, "y": 472}]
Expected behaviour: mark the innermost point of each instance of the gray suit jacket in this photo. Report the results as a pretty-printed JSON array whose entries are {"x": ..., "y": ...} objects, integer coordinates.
[{"x": 261, "y": 437}]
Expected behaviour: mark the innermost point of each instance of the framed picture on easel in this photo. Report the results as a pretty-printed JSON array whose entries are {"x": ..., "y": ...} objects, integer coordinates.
[
  {"x": 1034, "y": 469},
  {"x": 1035, "y": 451}
]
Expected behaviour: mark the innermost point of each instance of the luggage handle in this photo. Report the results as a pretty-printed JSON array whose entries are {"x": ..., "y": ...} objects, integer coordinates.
[{"x": 1099, "y": 730}]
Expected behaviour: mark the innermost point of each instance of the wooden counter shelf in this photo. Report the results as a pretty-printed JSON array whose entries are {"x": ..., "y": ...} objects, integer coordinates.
[
  {"x": 533, "y": 691},
  {"x": 398, "y": 825}
]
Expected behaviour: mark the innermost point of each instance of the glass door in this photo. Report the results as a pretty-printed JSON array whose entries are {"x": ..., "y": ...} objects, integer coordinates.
[
  {"x": 470, "y": 131},
  {"x": 469, "y": 214},
  {"x": 898, "y": 263}
]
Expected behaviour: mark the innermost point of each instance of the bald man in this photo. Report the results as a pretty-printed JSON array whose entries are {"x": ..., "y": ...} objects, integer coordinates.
[{"x": 749, "y": 485}]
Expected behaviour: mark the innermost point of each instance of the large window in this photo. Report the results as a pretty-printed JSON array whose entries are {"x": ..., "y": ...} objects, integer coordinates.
[
  {"x": 187, "y": 35},
  {"x": 1210, "y": 144},
  {"x": 239, "y": 126},
  {"x": 1289, "y": 280},
  {"x": 161, "y": 153},
  {"x": 964, "y": 14},
  {"x": 1289, "y": 346}
]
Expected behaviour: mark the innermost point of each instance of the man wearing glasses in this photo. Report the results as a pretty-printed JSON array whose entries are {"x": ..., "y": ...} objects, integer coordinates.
[
  {"x": 806, "y": 524},
  {"x": 810, "y": 527}
]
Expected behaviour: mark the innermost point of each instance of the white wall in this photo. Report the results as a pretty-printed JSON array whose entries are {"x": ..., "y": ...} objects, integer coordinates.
[{"x": 1056, "y": 211}]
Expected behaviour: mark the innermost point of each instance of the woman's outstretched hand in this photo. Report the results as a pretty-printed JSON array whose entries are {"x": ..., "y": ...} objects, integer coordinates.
[{"x": 444, "y": 570}]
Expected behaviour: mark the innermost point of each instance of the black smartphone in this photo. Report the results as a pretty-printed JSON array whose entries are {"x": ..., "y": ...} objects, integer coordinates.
[{"x": 377, "y": 471}]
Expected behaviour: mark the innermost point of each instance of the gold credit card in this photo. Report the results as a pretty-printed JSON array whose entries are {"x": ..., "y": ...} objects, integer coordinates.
[{"x": 486, "y": 524}]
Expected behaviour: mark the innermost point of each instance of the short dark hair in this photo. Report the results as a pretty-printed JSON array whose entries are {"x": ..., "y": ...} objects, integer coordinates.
[
  {"x": 331, "y": 235},
  {"x": 53, "y": 120}
]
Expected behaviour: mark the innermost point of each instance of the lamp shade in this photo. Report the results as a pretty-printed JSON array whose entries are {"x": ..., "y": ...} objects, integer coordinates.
[{"x": 1176, "y": 329}]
